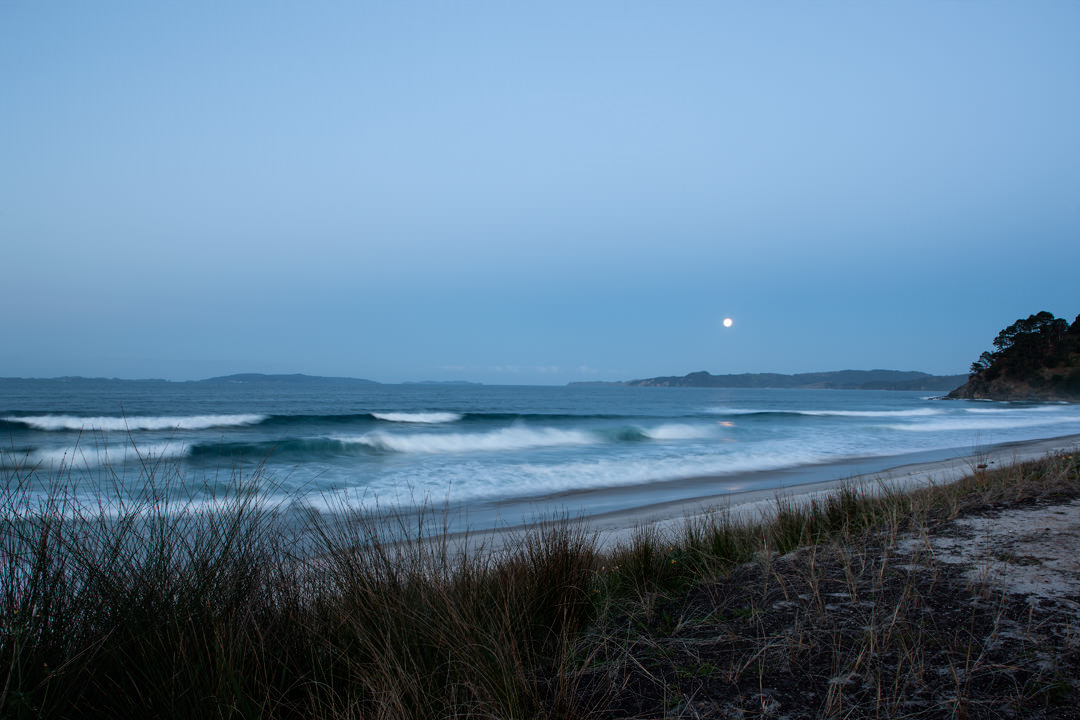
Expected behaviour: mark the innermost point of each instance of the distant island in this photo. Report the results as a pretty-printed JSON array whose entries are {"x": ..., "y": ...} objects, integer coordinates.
[
  {"x": 835, "y": 380},
  {"x": 440, "y": 382},
  {"x": 239, "y": 378},
  {"x": 248, "y": 379},
  {"x": 290, "y": 378},
  {"x": 1035, "y": 358}
]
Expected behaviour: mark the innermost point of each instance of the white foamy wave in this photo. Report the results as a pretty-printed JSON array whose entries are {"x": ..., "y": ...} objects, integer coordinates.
[
  {"x": 977, "y": 423},
  {"x": 81, "y": 458},
  {"x": 515, "y": 438},
  {"x": 88, "y": 504},
  {"x": 917, "y": 412},
  {"x": 471, "y": 481},
  {"x": 108, "y": 423},
  {"x": 1014, "y": 410},
  {"x": 920, "y": 412},
  {"x": 739, "y": 411},
  {"x": 418, "y": 417},
  {"x": 677, "y": 432}
]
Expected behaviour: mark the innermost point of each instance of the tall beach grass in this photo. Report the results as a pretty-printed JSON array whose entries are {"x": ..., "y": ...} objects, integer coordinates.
[{"x": 147, "y": 604}]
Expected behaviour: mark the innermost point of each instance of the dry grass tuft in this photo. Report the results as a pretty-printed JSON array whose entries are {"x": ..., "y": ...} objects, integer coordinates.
[{"x": 162, "y": 608}]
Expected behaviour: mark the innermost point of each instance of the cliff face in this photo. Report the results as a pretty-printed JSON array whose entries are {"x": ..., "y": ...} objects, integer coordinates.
[
  {"x": 1036, "y": 359},
  {"x": 1037, "y": 389}
]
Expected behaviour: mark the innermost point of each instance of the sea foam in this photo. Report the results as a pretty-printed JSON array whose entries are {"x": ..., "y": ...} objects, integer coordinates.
[
  {"x": 79, "y": 457},
  {"x": 1014, "y": 410},
  {"x": 418, "y": 417},
  {"x": 463, "y": 482},
  {"x": 109, "y": 423},
  {"x": 678, "y": 431},
  {"x": 977, "y": 423},
  {"x": 514, "y": 438},
  {"x": 920, "y": 412}
]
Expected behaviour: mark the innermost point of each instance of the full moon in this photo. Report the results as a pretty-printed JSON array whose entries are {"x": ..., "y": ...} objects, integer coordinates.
[{"x": 728, "y": 322}]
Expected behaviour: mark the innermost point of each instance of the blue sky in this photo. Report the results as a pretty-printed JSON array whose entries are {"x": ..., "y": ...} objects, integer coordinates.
[{"x": 569, "y": 191}]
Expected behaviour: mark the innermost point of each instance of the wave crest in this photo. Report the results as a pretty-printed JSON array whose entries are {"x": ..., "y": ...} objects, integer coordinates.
[
  {"x": 110, "y": 423},
  {"x": 80, "y": 458},
  {"x": 677, "y": 431},
  {"x": 418, "y": 417},
  {"x": 920, "y": 412},
  {"x": 494, "y": 441},
  {"x": 976, "y": 423}
]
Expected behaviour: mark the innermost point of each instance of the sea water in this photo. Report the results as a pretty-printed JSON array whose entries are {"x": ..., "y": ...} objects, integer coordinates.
[{"x": 499, "y": 454}]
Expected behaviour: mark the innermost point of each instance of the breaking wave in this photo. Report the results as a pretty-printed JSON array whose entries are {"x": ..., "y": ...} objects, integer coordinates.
[
  {"x": 977, "y": 423},
  {"x": 515, "y": 438},
  {"x": 920, "y": 412},
  {"x": 109, "y": 423},
  {"x": 418, "y": 417},
  {"x": 677, "y": 431},
  {"x": 79, "y": 458}
]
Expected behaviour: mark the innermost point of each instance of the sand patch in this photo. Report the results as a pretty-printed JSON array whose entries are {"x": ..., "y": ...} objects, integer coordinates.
[{"x": 1033, "y": 551}]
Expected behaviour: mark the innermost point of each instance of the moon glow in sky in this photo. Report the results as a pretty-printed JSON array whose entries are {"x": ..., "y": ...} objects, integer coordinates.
[{"x": 372, "y": 191}]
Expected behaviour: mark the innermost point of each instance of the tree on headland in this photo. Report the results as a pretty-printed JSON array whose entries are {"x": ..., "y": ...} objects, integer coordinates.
[
  {"x": 985, "y": 360},
  {"x": 1027, "y": 341},
  {"x": 1035, "y": 358}
]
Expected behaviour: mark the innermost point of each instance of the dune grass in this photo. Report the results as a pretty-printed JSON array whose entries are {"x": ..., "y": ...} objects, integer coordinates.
[{"x": 157, "y": 607}]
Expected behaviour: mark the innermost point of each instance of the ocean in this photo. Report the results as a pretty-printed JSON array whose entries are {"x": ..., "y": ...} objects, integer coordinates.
[{"x": 496, "y": 455}]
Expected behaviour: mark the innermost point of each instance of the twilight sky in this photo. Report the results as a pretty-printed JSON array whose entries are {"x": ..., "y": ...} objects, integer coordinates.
[{"x": 569, "y": 191}]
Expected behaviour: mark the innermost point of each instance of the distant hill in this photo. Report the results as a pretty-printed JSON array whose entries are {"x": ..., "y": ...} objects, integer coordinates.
[
  {"x": 440, "y": 382},
  {"x": 253, "y": 378},
  {"x": 81, "y": 379},
  {"x": 294, "y": 378},
  {"x": 1035, "y": 358},
  {"x": 836, "y": 380}
]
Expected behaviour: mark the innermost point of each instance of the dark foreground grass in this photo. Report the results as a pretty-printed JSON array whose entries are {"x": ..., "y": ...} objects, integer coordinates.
[{"x": 156, "y": 608}]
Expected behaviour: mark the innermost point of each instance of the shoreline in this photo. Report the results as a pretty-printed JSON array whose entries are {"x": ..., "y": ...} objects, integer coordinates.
[{"x": 617, "y": 526}]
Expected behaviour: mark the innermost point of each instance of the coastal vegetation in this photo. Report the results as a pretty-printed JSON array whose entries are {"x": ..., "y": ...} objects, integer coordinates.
[
  {"x": 837, "y": 607},
  {"x": 1035, "y": 358}
]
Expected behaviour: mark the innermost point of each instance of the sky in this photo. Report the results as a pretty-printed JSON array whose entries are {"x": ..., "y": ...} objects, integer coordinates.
[{"x": 532, "y": 193}]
